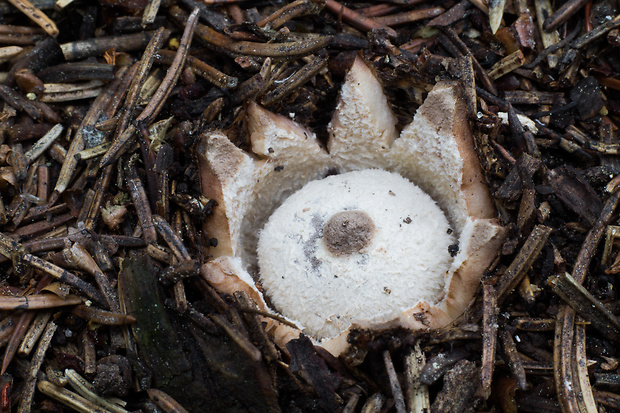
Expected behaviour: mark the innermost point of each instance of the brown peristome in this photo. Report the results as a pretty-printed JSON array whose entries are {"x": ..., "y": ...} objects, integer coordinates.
[{"x": 347, "y": 232}]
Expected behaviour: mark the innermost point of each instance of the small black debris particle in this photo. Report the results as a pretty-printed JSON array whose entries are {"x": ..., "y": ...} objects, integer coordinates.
[
  {"x": 453, "y": 250},
  {"x": 278, "y": 168}
]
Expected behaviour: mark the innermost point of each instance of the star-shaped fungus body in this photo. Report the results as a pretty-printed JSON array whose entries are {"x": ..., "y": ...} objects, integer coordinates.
[{"x": 399, "y": 237}]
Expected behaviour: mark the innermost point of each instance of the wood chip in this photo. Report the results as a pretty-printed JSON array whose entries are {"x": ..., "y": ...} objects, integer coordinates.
[
  {"x": 522, "y": 262},
  {"x": 588, "y": 307}
]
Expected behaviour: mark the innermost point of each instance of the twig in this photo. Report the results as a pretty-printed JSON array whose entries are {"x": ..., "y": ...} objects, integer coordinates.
[
  {"x": 292, "y": 83},
  {"x": 378, "y": 9},
  {"x": 86, "y": 390},
  {"x": 156, "y": 103},
  {"x": 507, "y": 65},
  {"x": 513, "y": 358},
  {"x": 69, "y": 398},
  {"x": 150, "y": 12},
  {"x": 103, "y": 182},
  {"x": 18, "y": 333},
  {"x": 599, "y": 31},
  {"x": 438, "y": 365},
  {"x": 351, "y": 405},
  {"x": 172, "y": 239},
  {"x": 35, "y": 364},
  {"x": 9, "y": 52},
  {"x": 201, "y": 69},
  {"x": 243, "y": 342},
  {"x": 37, "y": 302},
  {"x": 179, "y": 271},
  {"x": 290, "y": 11},
  {"x": 286, "y": 50},
  {"x": 66, "y": 277},
  {"x": 20, "y": 103},
  {"x": 95, "y": 47},
  {"x": 397, "y": 392},
  {"x": 165, "y": 402},
  {"x": 124, "y": 134},
  {"x": 78, "y": 143},
  {"x": 553, "y": 47},
  {"x": 172, "y": 75},
  {"x": 496, "y": 13},
  {"x": 374, "y": 403},
  {"x": 78, "y": 257},
  {"x": 267, "y": 314},
  {"x": 356, "y": 19},
  {"x": 143, "y": 209},
  {"x": 36, "y": 16},
  {"x": 417, "y": 392},
  {"x": 45, "y": 225},
  {"x": 587, "y": 306},
  {"x": 89, "y": 356},
  {"x": 563, "y": 14},
  {"x": 582, "y": 368},
  {"x": 94, "y": 152},
  {"x": 457, "y": 12},
  {"x": 522, "y": 262},
  {"x": 586, "y": 253},
  {"x": 462, "y": 47},
  {"x": 409, "y": 17},
  {"x": 34, "y": 332},
  {"x": 480, "y": 4},
  {"x": 566, "y": 386},
  {"x": 70, "y": 96},
  {"x": 43, "y": 144},
  {"x": 489, "y": 339},
  {"x": 549, "y": 37}
]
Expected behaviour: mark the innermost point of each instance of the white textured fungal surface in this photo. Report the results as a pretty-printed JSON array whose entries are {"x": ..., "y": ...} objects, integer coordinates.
[{"x": 403, "y": 260}]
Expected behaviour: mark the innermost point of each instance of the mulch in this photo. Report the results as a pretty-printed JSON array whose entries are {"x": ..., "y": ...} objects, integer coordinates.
[{"x": 103, "y": 104}]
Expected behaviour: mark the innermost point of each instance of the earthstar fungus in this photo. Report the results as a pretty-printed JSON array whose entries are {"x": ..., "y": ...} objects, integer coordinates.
[{"x": 399, "y": 237}]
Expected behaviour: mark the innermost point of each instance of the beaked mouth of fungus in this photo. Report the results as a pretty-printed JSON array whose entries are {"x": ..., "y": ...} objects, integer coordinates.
[{"x": 348, "y": 232}]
